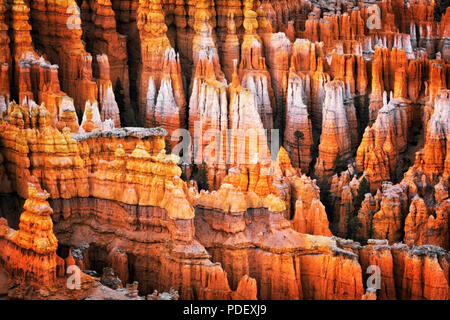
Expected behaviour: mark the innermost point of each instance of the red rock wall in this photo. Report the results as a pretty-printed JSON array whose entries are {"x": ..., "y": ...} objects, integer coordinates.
[
  {"x": 282, "y": 261},
  {"x": 29, "y": 254},
  {"x": 57, "y": 26},
  {"x": 406, "y": 272},
  {"x": 316, "y": 72},
  {"x": 101, "y": 37}
]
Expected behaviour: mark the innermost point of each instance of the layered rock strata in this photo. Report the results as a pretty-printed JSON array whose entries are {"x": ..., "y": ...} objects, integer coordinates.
[
  {"x": 29, "y": 254},
  {"x": 335, "y": 147},
  {"x": 246, "y": 235}
]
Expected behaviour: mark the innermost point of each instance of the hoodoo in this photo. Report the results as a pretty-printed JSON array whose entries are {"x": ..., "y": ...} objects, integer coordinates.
[{"x": 232, "y": 150}]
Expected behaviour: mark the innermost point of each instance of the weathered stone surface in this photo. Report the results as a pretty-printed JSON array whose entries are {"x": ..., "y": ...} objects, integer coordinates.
[
  {"x": 421, "y": 272},
  {"x": 316, "y": 71},
  {"x": 249, "y": 248},
  {"x": 29, "y": 254},
  {"x": 421, "y": 227},
  {"x": 57, "y": 32},
  {"x": 383, "y": 143},
  {"x": 435, "y": 157},
  {"x": 310, "y": 216},
  {"x": 388, "y": 221},
  {"x": 378, "y": 253},
  {"x": 159, "y": 73},
  {"x": 298, "y": 133},
  {"x": 101, "y": 37},
  {"x": 335, "y": 142}
]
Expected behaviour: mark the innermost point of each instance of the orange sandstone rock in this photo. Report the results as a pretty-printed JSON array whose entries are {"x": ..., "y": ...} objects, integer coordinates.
[
  {"x": 102, "y": 38},
  {"x": 378, "y": 253},
  {"x": 435, "y": 156},
  {"x": 310, "y": 216},
  {"x": 31, "y": 249},
  {"x": 298, "y": 120},
  {"x": 382, "y": 143},
  {"x": 388, "y": 222},
  {"x": 253, "y": 71},
  {"x": 109, "y": 107},
  {"x": 335, "y": 142},
  {"x": 421, "y": 227},
  {"x": 230, "y": 48},
  {"x": 159, "y": 62},
  {"x": 420, "y": 273},
  {"x": 227, "y": 236},
  {"x": 58, "y": 34}
]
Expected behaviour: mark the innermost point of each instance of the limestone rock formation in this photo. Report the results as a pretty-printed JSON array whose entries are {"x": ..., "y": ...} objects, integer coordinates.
[
  {"x": 5, "y": 57},
  {"x": 378, "y": 253},
  {"x": 230, "y": 48},
  {"x": 388, "y": 221},
  {"x": 253, "y": 71},
  {"x": 109, "y": 107},
  {"x": 67, "y": 116},
  {"x": 310, "y": 216},
  {"x": 434, "y": 159},
  {"x": 101, "y": 38},
  {"x": 344, "y": 190},
  {"x": 423, "y": 228},
  {"x": 56, "y": 27},
  {"x": 232, "y": 241},
  {"x": 426, "y": 263},
  {"x": 29, "y": 254},
  {"x": 382, "y": 144},
  {"x": 335, "y": 142},
  {"x": 369, "y": 207},
  {"x": 406, "y": 272},
  {"x": 91, "y": 118},
  {"x": 298, "y": 132},
  {"x": 306, "y": 119},
  {"x": 162, "y": 110},
  {"x": 159, "y": 62}
]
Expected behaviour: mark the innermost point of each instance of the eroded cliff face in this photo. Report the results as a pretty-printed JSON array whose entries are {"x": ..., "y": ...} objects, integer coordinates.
[
  {"x": 158, "y": 197},
  {"x": 29, "y": 261},
  {"x": 406, "y": 272},
  {"x": 57, "y": 32},
  {"x": 160, "y": 86},
  {"x": 29, "y": 254},
  {"x": 335, "y": 142},
  {"x": 361, "y": 149},
  {"x": 102, "y": 38},
  {"x": 152, "y": 229},
  {"x": 383, "y": 143},
  {"x": 250, "y": 237},
  {"x": 298, "y": 134}
]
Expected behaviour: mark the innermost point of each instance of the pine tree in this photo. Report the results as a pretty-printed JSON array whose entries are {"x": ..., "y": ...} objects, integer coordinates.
[
  {"x": 120, "y": 98},
  {"x": 353, "y": 225},
  {"x": 325, "y": 197},
  {"x": 299, "y": 136},
  {"x": 183, "y": 174},
  {"x": 362, "y": 190},
  {"x": 168, "y": 146},
  {"x": 202, "y": 177}
]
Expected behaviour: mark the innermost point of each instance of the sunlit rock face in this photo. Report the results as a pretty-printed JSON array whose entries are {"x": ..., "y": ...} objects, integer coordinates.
[
  {"x": 5, "y": 59},
  {"x": 31, "y": 250},
  {"x": 382, "y": 144},
  {"x": 224, "y": 149},
  {"x": 402, "y": 266},
  {"x": 161, "y": 94},
  {"x": 253, "y": 70},
  {"x": 102, "y": 38},
  {"x": 436, "y": 158},
  {"x": 298, "y": 133},
  {"x": 335, "y": 141}
]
